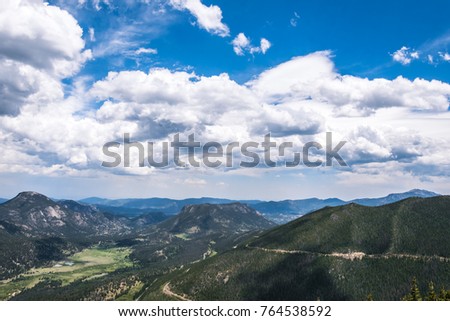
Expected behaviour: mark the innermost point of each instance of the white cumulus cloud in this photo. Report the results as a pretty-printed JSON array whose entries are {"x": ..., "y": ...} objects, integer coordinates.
[
  {"x": 40, "y": 45},
  {"x": 405, "y": 56},
  {"x": 401, "y": 123},
  {"x": 208, "y": 17},
  {"x": 242, "y": 44}
]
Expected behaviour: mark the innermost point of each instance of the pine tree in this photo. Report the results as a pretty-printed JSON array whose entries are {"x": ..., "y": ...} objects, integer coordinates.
[
  {"x": 415, "y": 291},
  {"x": 442, "y": 294},
  {"x": 414, "y": 294},
  {"x": 431, "y": 293},
  {"x": 370, "y": 297}
]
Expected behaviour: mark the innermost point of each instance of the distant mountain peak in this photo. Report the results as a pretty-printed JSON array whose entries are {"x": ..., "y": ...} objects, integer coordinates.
[
  {"x": 206, "y": 218},
  {"x": 423, "y": 192},
  {"x": 37, "y": 215},
  {"x": 31, "y": 197},
  {"x": 30, "y": 194},
  {"x": 394, "y": 197}
]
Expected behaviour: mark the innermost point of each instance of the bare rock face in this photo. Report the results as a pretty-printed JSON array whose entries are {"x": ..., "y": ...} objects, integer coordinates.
[{"x": 35, "y": 214}]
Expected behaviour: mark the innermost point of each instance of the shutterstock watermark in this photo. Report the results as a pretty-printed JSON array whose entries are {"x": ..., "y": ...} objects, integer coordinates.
[{"x": 214, "y": 154}]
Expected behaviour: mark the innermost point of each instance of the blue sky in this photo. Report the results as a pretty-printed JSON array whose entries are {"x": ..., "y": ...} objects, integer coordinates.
[
  {"x": 362, "y": 35},
  {"x": 83, "y": 72}
]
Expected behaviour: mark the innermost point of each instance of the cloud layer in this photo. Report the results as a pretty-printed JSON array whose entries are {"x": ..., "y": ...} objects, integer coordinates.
[
  {"x": 41, "y": 44},
  {"x": 383, "y": 120}
]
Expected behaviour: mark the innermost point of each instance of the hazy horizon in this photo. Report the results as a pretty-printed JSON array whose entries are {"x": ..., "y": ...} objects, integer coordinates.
[{"x": 206, "y": 196}]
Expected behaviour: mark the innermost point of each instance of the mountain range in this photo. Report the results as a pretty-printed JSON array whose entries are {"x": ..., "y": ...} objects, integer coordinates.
[
  {"x": 35, "y": 229},
  {"x": 347, "y": 252},
  {"x": 223, "y": 251},
  {"x": 46, "y": 229},
  {"x": 165, "y": 205},
  {"x": 277, "y": 211}
]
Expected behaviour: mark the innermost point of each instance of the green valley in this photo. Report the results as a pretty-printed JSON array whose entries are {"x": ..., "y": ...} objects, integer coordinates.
[{"x": 90, "y": 263}]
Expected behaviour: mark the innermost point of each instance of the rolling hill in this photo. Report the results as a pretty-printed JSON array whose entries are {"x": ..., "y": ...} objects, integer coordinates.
[
  {"x": 197, "y": 232},
  {"x": 204, "y": 219},
  {"x": 340, "y": 253},
  {"x": 414, "y": 226}
]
